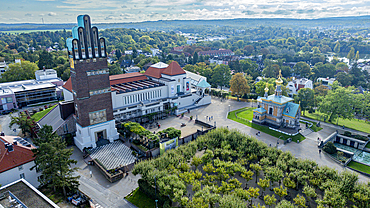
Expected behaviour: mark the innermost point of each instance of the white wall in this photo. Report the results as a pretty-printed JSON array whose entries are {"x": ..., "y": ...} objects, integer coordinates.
[
  {"x": 14, "y": 174},
  {"x": 68, "y": 96}
]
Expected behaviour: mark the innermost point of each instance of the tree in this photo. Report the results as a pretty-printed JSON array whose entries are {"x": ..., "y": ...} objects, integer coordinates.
[
  {"x": 285, "y": 204},
  {"x": 45, "y": 60},
  {"x": 195, "y": 57},
  {"x": 269, "y": 200},
  {"x": 24, "y": 122},
  {"x": 271, "y": 70},
  {"x": 247, "y": 175},
  {"x": 118, "y": 54},
  {"x": 344, "y": 79},
  {"x": 341, "y": 66},
  {"x": 231, "y": 201},
  {"x": 249, "y": 49},
  {"x": 309, "y": 192},
  {"x": 280, "y": 191},
  {"x": 264, "y": 183},
  {"x": 52, "y": 158},
  {"x": 337, "y": 47},
  {"x": 253, "y": 193},
  {"x": 239, "y": 85},
  {"x": 306, "y": 98},
  {"x": 357, "y": 57},
  {"x": 19, "y": 71},
  {"x": 256, "y": 168},
  {"x": 351, "y": 54},
  {"x": 221, "y": 75},
  {"x": 115, "y": 69},
  {"x": 338, "y": 103},
  {"x": 302, "y": 68},
  {"x": 196, "y": 161},
  {"x": 300, "y": 201}
]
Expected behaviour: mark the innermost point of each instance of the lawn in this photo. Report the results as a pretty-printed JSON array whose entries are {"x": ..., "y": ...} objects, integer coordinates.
[
  {"x": 264, "y": 129},
  {"x": 313, "y": 127},
  {"x": 359, "y": 125},
  {"x": 247, "y": 114},
  {"x": 359, "y": 166},
  {"x": 140, "y": 200},
  {"x": 37, "y": 116}
]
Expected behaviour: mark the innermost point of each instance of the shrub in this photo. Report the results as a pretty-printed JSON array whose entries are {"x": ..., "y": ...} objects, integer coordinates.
[
  {"x": 150, "y": 192},
  {"x": 330, "y": 148},
  {"x": 347, "y": 133}
]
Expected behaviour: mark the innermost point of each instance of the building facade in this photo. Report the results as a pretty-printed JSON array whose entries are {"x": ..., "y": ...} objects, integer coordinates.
[
  {"x": 296, "y": 84},
  {"x": 91, "y": 86},
  {"x": 277, "y": 110}
]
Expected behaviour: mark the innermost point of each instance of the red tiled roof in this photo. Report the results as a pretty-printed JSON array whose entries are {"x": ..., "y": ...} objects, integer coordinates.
[
  {"x": 8, "y": 160},
  {"x": 68, "y": 85},
  {"x": 173, "y": 69},
  {"x": 154, "y": 72},
  {"x": 125, "y": 78}
]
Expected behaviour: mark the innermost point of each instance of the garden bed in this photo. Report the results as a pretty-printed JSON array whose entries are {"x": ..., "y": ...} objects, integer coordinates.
[{"x": 39, "y": 115}]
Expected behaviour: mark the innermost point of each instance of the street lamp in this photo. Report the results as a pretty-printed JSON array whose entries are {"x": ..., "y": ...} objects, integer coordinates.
[
  {"x": 156, "y": 203},
  {"x": 229, "y": 108},
  {"x": 277, "y": 142}
]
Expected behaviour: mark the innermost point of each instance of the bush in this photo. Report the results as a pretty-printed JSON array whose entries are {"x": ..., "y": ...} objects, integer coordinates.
[
  {"x": 69, "y": 139},
  {"x": 347, "y": 133},
  {"x": 330, "y": 148}
]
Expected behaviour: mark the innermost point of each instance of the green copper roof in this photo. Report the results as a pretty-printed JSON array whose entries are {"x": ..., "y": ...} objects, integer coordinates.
[
  {"x": 203, "y": 84},
  {"x": 260, "y": 110},
  {"x": 291, "y": 109},
  {"x": 276, "y": 99}
]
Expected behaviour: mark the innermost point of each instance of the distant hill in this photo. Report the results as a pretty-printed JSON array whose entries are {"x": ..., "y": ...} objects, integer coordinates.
[{"x": 193, "y": 25}]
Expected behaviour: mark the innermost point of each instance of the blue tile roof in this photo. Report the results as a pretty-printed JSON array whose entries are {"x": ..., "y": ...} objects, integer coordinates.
[
  {"x": 291, "y": 109},
  {"x": 276, "y": 99},
  {"x": 260, "y": 110}
]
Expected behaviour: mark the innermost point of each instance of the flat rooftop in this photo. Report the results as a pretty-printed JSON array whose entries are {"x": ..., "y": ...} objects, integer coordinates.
[
  {"x": 135, "y": 86},
  {"x": 25, "y": 194}
]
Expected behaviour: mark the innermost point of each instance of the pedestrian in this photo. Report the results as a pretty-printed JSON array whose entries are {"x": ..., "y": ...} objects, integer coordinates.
[
  {"x": 318, "y": 139},
  {"x": 206, "y": 118},
  {"x": 343, "y": 127},
  {"x": 209, "y": 118},
  {"x": 319, "y": 151}
]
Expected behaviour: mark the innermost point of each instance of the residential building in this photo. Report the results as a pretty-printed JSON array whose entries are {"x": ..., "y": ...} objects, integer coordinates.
[
  {"x": 326, "y": 81},
  {"x": 16, "y": 161},
  {"x": 220, "y": 52},
  {"x": 297, "y": 84},
  {"x": 3, "y": 68},
  {"x": 21, "y": 193},
  {"x": 155, "y": 51},
  {"x": 277, "y": 110},
  {"x": 132, "y": 69}
]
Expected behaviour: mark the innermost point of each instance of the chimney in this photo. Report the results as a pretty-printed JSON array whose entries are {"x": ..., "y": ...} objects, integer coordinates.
[{"x": 15, "y": 143}]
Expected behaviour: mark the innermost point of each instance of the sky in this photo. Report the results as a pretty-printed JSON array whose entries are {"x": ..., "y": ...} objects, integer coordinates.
[{"x": 117, "y": 11}]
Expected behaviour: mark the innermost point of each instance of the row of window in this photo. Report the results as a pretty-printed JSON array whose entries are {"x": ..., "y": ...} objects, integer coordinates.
[
  {"x": 101, "y": 91},
  {"x": 142, "y": 96},
  {"x": 97, "y": 72},
  {"x": 6, "y": 100}
]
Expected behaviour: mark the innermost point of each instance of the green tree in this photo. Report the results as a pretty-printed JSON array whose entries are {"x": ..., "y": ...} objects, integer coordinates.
[
  {"x": 280, "y": 191},
  {"x": 337, "y": 47},
  {"x": 357, "y": 57},
  {"x": 239, "y": 85},
  {"x": 309, "y": 192},
  {"x": 52, "y": 158},
  {"x": 338, "y": 103},
  {"x": 351, "y": 54},
  {"x": 302, "y": 68},
  {"x": 195, "y": 57},
  {"x": 271, "y": 70},
  {"x": 285, "y": 204},
  {"x": 269, "y": 200},
  {"x": 256, "y": 168},
  {"x": 45, "y": 60},
  {"x": 24, "y": 122},
  {"x": 234, "y": 201},
  {"x": 19, "y": 71},
  {"x": 300, "y": 201},
  {"x": 263, "y": 183},
  {"x": 221, "y": 75},
  {"x": 115, "y": 69},
  {"x": 344, "y": 79},
  {"x": 341, "y": 66},
  {"x": 196, "y": 161},
  {"x": 306, "y": 98}
]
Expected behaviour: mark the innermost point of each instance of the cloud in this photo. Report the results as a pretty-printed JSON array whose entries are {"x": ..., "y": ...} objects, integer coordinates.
[
  {"x": 248, "y": 12},
  {"x": 28, "y": 15},
  {"x": 52, "y": 14}
]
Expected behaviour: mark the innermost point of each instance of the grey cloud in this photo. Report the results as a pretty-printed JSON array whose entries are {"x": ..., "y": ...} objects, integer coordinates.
[
  {"x": 280, "y": 11},
  {"x": 52, "y": 14},
  {"x": 248, "y": 12},
  {"x": 123, "y": 6},
  {"x": 28, "y": 15}
]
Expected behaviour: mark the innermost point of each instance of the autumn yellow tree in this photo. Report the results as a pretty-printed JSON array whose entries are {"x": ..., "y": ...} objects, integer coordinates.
[{"x": 239, "y": 85}]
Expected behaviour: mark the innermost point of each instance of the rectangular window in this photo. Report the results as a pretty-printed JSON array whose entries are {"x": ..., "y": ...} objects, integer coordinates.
[
  {"x": 9, "y": 100},
  {"x": 22, "y": 175},
  {"x": 20, "y": 167}
]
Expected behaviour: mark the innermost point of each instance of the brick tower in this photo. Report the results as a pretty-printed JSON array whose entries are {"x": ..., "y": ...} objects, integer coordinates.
[{"x": 90, "y": 86}]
